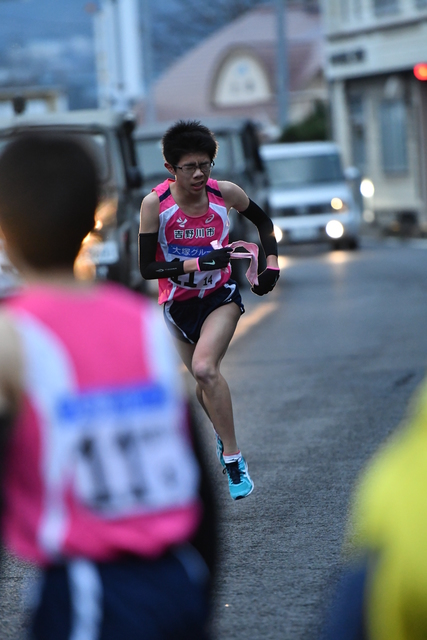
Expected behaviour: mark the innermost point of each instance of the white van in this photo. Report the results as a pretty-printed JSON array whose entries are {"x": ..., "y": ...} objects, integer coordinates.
[{"x": 309, "y": 197}]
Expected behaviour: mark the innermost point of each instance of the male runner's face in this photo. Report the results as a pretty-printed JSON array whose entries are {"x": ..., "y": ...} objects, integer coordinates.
[{"x": 191, "y": 177}]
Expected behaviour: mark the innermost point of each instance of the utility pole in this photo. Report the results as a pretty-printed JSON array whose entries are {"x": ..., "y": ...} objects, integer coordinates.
[
  {"x": 119, "y": 54},
  {"x": 147, "y": 44},
  {"x": 282, "y": 77}
]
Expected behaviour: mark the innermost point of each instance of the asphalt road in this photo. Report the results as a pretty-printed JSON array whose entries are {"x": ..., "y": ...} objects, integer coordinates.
[
  {"x": 317, "y": 384},
  {"x": 320, "y": 371}
]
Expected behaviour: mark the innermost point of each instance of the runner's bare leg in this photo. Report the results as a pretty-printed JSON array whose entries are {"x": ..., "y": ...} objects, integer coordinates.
[{"x": 203, "y": 361}]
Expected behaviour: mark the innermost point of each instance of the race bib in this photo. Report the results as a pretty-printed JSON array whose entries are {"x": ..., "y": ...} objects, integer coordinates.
[
  {"x": 195, "y": 279},
  {"x": 128, "y": 451},
  {"x": 198, "y": 279}
]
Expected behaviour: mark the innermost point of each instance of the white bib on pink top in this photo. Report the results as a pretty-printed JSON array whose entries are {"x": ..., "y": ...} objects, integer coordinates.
[
  {"x": 100, "y": 462},
  {"x": 182, "y": 237}
]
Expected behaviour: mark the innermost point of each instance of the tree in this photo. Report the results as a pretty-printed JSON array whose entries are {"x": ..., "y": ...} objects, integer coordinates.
[{"x": 313, "y": 127}]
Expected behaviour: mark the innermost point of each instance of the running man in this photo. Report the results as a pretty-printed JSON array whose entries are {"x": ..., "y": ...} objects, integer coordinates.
[
  {"x": 180, "y": 219},
  {"x": 100, "y": 480}
]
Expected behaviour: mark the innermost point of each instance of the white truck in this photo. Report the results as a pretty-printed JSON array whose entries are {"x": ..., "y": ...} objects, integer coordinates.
[{"x": 310, "y": 198}]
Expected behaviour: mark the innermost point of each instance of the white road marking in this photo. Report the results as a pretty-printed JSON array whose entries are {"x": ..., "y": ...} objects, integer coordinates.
[{"x": 246, "y": 322}]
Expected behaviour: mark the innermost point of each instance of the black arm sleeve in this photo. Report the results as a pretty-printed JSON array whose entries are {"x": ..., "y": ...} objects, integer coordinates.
[
  {"x": 149, "y": 268},
  {"x": 265, "y": 227}
]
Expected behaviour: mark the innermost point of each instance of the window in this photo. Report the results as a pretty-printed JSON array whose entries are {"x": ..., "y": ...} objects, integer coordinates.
[
  {"x": 393, "y": 128},
  {"x": 385, "y": 7},
  {"x": 242, "y": 80},
  {"x": 357, "y": 131}
]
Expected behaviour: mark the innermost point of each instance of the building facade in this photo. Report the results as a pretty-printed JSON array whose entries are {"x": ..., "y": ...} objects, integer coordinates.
[
  {"x": 379, "y": 107},
  {"x": 232, "y": 73}
]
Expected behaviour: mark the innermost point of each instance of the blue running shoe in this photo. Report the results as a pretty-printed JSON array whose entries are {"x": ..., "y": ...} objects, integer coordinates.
[
  {"x": 219, "y": 449},
  {"x": 239, "y": 480}
]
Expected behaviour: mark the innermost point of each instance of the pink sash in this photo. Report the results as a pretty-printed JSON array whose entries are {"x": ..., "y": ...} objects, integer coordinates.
[{"x": 252, "y": 249}]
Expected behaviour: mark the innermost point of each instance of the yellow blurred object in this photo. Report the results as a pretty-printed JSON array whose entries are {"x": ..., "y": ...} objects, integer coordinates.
[{"x": 389, "y": 523}]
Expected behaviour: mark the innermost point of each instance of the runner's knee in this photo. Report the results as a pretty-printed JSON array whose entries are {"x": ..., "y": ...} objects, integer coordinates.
[{"x": 205, "y": 372}]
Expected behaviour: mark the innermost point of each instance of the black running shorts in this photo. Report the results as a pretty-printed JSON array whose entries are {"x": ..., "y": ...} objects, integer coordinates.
[
  {"x": 165, "y": 598},
  {"x": 185, "y": 319}
]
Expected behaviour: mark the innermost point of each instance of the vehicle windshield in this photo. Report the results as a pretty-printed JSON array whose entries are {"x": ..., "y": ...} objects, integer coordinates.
[
  {"x": 150, "y": 157},
  {"x": 293, "y": 172},
  {"x": 98, "y": 140}
]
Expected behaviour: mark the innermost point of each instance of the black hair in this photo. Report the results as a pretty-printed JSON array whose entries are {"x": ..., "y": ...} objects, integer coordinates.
[
  {"x": 49, "y": 192},
  {"x": 188, "y": 136}
]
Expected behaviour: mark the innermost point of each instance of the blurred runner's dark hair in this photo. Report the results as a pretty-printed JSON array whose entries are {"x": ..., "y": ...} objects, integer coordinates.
[{"x": 49, "y": 191}]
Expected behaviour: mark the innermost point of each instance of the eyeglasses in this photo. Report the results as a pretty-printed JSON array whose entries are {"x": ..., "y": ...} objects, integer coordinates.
[{"x": 190, "y": 169}]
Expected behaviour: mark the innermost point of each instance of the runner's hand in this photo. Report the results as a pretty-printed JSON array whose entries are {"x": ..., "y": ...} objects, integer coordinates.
[
  {"x": 266, "y": 281},
  {"x": 216, "y": 259}
]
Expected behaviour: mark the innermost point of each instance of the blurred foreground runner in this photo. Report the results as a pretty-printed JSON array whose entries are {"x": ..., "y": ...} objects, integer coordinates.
[
  {"x": 183, "y": 243},
  {"x": 101, "y": 485},
  {"x": 382, "y": 594}
]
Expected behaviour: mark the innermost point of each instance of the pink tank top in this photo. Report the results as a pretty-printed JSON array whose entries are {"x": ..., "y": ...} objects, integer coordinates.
[
  {"x": 182, "y": 237},
  {"x": 100, "y": 462}
]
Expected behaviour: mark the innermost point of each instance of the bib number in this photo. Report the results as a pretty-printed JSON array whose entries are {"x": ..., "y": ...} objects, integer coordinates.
[
  {"x": 130, "y": 460},
  {"x": 197, "y": 279}
]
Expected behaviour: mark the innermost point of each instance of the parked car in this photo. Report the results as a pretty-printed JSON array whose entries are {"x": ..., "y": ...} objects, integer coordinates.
[
  {"x": 110, "y": 251},
  {"x": 238, "y": 160},
  {"x": 309, "y": 197}
]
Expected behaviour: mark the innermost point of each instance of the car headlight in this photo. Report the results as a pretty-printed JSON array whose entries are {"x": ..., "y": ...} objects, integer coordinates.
[
  {"x": 278, "y": 233},
  {"x": 338, "y": 205},
  {"x": 334, "y": 229},
  {"x": 367, "y": 188}
]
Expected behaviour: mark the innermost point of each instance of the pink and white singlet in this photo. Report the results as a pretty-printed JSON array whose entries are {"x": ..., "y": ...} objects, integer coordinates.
[
  {"x": 182, "y": 237},
  {"x": 100, "y": 463}
]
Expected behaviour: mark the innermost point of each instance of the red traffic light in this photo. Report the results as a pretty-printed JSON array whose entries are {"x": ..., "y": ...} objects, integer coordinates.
[{"x": 420, "y": 71}]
